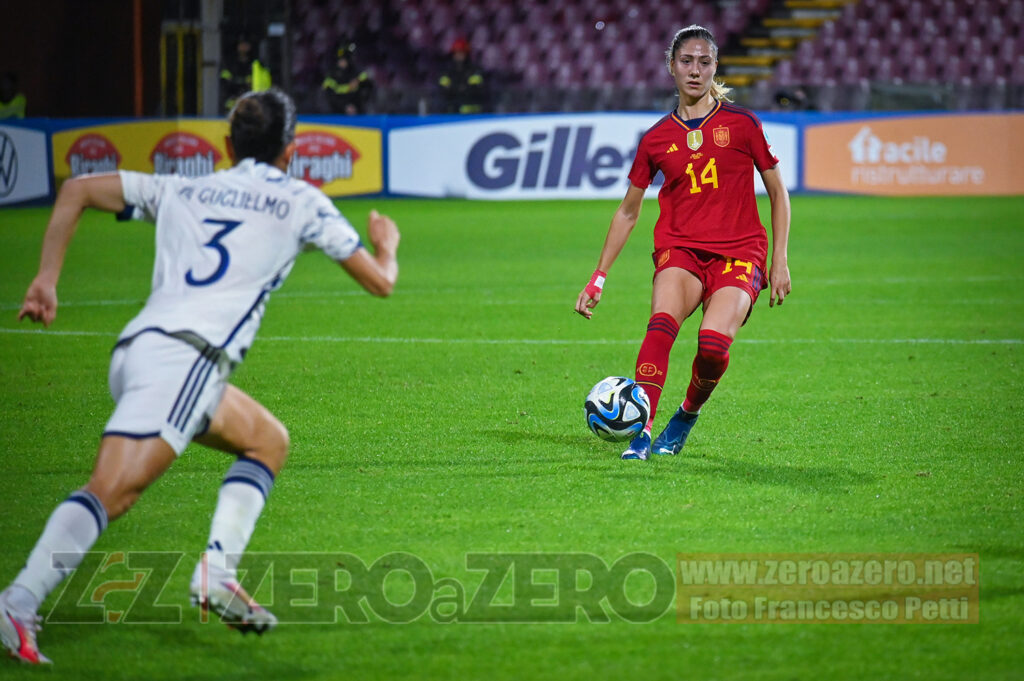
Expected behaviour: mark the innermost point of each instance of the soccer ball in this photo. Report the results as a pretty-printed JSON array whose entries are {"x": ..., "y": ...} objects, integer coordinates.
[{"x": 617, "y": 409}]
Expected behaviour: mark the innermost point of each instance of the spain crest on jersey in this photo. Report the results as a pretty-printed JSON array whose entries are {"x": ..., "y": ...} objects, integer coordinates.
[
  {"x": 694, "y": 139},
  {"x": 721, "y": 136}
]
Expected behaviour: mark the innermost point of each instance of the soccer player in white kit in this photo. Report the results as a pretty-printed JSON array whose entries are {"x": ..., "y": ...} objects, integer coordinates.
[{"x": 223, "y": 243}]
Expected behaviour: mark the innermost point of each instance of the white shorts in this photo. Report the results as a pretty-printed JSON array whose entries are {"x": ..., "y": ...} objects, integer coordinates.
[{"x": 164, "y": 387}]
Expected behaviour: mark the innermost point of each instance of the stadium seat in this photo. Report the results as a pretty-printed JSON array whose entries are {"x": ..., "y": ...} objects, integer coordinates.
[
  {"x": 784, "y": 74},
  {"x": 952, "y": 69},
  {"x": 918, "y": 71}
]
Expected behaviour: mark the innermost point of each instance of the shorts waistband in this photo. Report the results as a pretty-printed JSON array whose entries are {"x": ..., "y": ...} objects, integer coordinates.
[{"x": 205, "y": 348}]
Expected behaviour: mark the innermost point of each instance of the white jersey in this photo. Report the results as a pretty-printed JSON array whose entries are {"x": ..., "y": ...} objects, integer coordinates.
[{"x": 223, "y": 243}]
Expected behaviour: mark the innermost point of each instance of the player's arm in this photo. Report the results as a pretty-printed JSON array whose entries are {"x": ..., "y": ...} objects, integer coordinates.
[
  {"x": 97, "y": 191},
  {"x": 618, "y": 232},
  {"x": 778, "y": 273},
  {"x": 377, "y": 272}
]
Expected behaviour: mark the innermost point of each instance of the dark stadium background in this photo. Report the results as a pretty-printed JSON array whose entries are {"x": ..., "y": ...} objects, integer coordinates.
[{"x": 103, "y": 57}]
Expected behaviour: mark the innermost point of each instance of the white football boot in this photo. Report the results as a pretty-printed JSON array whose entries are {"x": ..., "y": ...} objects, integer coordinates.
[
  {"x": 216, "y": 589},
  {"x": 18, "y": 630}
]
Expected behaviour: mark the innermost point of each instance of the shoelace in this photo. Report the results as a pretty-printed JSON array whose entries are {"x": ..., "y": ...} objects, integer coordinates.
[{"x": 32, "y": 624}]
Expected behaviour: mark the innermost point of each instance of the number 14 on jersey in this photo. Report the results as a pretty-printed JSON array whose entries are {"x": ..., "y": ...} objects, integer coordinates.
[{"x": 709, "y": 175}]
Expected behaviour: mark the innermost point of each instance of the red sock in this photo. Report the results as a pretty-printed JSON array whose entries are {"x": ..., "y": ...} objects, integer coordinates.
[
  {"x": 652, "y": 362},
  {"x": 708, "y": 366}
]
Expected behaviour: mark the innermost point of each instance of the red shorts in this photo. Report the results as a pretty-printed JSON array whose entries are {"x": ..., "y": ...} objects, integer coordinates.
[{"x": 714, "y": 271}]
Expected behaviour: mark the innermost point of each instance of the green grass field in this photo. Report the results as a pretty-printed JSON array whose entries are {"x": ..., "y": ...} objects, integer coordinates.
[{"x": 879, "y": 410}]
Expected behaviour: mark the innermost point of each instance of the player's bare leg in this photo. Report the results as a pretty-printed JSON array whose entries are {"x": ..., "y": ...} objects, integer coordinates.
[
  {"x": 124, "y": 468},
  {"x": 727, "y": 309},
  {"x": 676, "y": 294},
  {"x": 723, "y": 316},
  {"x": 244, "y": 427}
]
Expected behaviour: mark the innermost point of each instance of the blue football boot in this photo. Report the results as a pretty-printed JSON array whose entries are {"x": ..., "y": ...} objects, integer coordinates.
[
  {"x": 673, "y": 438},
  {"x": 639, "y": 447}
]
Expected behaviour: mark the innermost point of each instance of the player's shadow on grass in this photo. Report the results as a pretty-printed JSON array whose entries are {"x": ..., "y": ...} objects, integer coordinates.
[
  {"x": 808, "y": 478},
  {"x": 799, "y": 476},
  {"x": 520, "y": 437},
  {"x": 820, "y": 478}
]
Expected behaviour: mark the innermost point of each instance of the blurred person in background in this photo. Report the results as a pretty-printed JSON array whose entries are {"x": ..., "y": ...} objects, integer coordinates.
[
  {"x": 242, "y": 72},
  {"x": 12, "y": 102},
  {"x": 795, "y": 99},
  {"x": 461, "y": 84},
  {"x": 348, "y": 88}
]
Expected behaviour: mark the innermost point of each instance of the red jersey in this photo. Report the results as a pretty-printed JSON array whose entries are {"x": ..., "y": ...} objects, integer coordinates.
[{"x": 707, "y": 201}]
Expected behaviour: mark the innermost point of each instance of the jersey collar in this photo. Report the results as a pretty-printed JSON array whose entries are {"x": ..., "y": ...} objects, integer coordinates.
[{"x": 683, "y": 124}]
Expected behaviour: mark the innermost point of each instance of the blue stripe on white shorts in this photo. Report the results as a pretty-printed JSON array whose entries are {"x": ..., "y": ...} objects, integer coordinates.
[{"x": 164, "y": 385}]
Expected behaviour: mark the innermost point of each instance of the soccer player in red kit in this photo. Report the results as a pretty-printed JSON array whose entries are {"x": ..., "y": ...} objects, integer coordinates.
[{"x": 710, "y": 247}]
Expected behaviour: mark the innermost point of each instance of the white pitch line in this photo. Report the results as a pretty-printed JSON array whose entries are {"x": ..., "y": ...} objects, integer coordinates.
[
  {"x": 481, "y": 295},
  {"x": 55, "y": 332},
  {"x": 560, "y": 341},
  {"x": 419, "y": 301},
  {"x": 980, "y": 279},
  {"x": 82, "y": 303},
  {"x": 412, "y": 297}
]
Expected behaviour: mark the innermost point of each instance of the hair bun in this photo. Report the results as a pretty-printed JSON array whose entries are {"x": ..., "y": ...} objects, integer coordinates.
[{"x": 262, "y": 125}]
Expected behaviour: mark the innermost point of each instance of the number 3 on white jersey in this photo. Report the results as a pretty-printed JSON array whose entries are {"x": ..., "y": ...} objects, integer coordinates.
[{"x": 215, "y": 244}]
